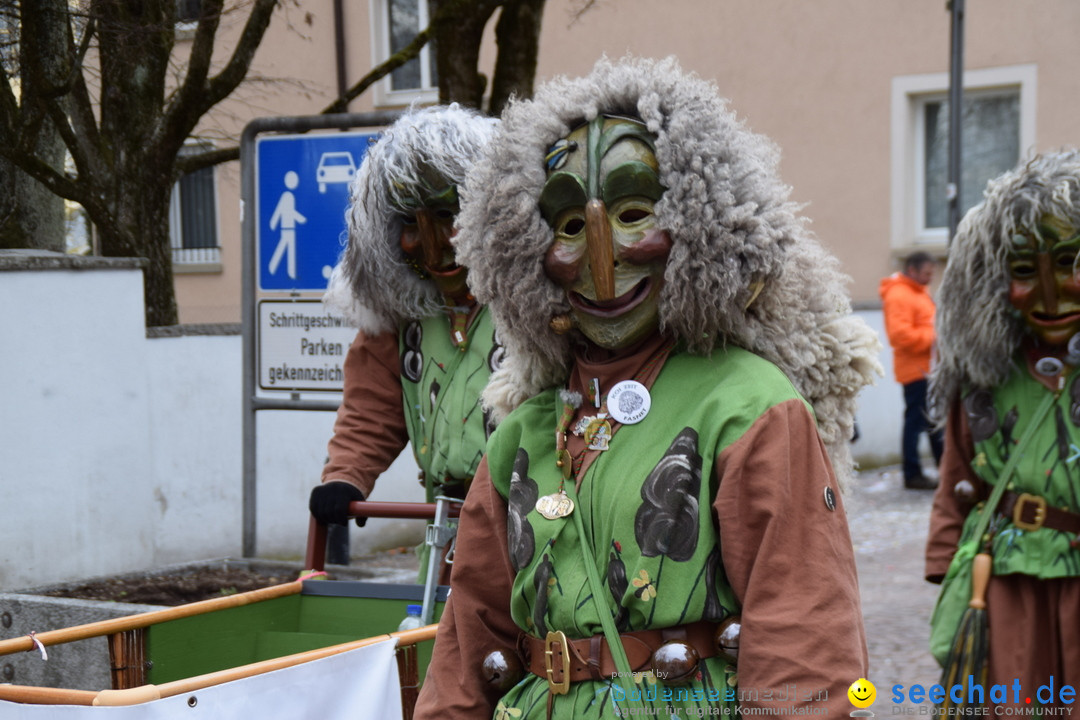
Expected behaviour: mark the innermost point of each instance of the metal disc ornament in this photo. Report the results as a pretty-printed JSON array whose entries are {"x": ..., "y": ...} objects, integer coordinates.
[
  {"x": 1049, "y": 366},
  {"x": 629, "y": 402},
  {"x": 555, "y": 506},
  {"x": 1073, "y": 358},
  {"x": 565, "y": 463}
]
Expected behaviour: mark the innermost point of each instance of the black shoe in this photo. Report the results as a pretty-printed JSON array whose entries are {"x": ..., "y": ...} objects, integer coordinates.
[{"x": 920, "y": 483}]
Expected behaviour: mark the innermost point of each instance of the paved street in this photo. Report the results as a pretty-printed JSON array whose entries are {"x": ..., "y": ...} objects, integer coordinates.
[{"x": 888, "y": 528}]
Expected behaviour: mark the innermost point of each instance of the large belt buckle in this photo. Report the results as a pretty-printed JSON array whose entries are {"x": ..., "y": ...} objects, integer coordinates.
[
  {"x": 557, "y": 637},
  {"x": 1018, "y": 511}
]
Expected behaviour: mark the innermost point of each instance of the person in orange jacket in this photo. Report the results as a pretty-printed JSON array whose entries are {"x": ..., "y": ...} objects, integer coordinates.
[{"x": 909, "y": 324}]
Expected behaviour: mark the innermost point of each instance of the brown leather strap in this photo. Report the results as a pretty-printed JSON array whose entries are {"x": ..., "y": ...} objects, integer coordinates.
[
  {"x": 590, "y": 658},
  {"x": 1033, "y": 512}
]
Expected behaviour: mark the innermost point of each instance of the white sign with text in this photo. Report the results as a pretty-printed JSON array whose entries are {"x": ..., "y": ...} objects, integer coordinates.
[{"x": 302, "y": 346}]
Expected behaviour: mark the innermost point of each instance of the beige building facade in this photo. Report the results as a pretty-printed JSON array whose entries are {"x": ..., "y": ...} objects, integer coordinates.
[{"x": 852, "y": 91}]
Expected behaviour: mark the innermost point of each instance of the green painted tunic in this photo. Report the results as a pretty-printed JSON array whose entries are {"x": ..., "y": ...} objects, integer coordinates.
[
  {"x": 1048, "y": 468},
  {"x": 646, "y": 509},
  {"x": 441, "y": 386}
]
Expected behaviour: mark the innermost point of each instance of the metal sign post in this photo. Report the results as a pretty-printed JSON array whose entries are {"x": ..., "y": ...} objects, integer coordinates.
[
  {"x": 294, "y": 193},
  {"x": 956, "y": 114}
]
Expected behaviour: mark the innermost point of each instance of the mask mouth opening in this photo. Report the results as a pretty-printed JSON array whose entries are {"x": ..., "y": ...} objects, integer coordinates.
[
  {"x": 1045, "y": 319},
  {"x": 446, "y": 270},
  {"x": 614, "y": 307}
]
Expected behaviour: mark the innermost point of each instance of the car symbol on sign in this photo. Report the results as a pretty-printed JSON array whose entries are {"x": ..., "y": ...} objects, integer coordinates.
[{"x": 335, "y": 167}]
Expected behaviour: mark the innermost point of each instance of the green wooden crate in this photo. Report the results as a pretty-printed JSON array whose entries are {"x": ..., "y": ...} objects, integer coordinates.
[{"x": 326, "y": 612}]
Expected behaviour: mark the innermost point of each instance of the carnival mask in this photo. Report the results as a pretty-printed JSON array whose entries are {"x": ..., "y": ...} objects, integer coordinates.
[
  {"x": 608, "y": 255},
  {"x": 1044, "y": 285},
  {"x": 427, "y": 226}
]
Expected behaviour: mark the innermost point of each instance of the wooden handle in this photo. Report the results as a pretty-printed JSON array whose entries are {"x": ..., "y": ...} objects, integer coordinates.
[
  {"x": 141, "y": 620},
  {"x": 315, "y": 555},
  {"x": 982, "y": 564},
  {"x": 32, "y": 695}
]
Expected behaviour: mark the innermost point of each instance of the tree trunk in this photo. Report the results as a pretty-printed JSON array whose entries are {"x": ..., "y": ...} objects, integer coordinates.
[
  {"x": 30, "y": 215},
  {"x": 457, "y": 39},
  {"x": 142, "y": 230},
  {"x": 518, "y": 38}
]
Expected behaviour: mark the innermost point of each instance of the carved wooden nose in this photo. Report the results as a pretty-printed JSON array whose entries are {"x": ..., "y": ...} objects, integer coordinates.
[{"x": 601, "y": 253}]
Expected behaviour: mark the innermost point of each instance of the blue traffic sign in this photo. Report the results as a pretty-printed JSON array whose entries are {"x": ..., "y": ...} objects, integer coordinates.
[{"x": 301, "y": 194}]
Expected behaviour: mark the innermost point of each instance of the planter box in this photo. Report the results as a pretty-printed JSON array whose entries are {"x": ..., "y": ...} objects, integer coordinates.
[{"x": 84, "y": 664}]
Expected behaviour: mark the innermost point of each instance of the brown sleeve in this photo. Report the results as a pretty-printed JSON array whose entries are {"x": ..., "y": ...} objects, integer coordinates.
[
  {"x": 370, "y": 430},
  {"x": 476, "y": 619},
  {"x": 948, "y": 512},
  {"x": 790, "y": 561}
]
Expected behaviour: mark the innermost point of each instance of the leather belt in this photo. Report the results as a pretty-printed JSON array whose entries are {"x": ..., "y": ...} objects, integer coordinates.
[
  {"x": 561, "y": 661},
  {"x": 1031, "y": 512}
]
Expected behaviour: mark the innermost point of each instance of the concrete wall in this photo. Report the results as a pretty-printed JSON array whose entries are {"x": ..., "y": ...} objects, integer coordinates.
[{"x": 121, "y": 452}]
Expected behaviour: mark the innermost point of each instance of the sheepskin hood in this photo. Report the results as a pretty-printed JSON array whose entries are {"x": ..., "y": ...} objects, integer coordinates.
[
  {"x": 372, "y": 285},
  {"x": 978, "y": 329},
  {"x": 734, "y": 231}
]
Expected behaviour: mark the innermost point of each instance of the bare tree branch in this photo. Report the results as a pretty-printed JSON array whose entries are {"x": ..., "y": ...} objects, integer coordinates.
[
  {"x": 236, "y": 69},
  {"x": 202, "y": 49},
  {"x": 190, "y": 163},
  {"x": 380, "y": 71},
  {"x": 586, "y": 5}
]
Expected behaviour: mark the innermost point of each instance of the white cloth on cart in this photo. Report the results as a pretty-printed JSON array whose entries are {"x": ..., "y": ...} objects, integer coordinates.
[{"x": 357, "y": 684}]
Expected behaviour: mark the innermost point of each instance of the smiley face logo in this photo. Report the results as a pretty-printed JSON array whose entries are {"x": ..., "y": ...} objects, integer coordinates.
[{"x": 862, "y": 693}]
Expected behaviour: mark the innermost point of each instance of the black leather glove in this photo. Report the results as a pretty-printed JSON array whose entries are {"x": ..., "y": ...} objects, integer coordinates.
[{"x": 329, "y": 502}]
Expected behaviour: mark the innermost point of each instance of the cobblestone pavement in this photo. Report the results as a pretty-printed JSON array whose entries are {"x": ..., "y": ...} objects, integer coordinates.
[{"x": 888, "y": 528}]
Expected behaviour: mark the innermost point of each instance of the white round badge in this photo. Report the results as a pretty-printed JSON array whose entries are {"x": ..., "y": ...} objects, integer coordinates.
[{"x": 629, "y": 402}]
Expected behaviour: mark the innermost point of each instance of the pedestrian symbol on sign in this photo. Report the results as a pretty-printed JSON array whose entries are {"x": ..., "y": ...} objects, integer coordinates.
[{"x": 286, "y": 215}]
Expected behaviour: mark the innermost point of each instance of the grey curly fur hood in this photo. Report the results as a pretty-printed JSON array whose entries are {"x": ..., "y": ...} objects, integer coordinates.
[
  {"x": 372, "y": 285},
  {"x": 978, "y": 330},
  {"x": 729, "y": 218}
]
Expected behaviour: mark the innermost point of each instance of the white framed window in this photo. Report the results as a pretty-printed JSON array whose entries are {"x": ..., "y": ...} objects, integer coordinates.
[
  {"x": 188, "y": 11},
  {"x": 187, "y": 18},
  {"x": 998, "y": 130},
  {"x": 193, "y": 220},
  {"x": 395, "y": 23}
]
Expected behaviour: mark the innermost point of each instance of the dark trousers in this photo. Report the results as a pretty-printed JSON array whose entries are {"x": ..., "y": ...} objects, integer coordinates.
[{"x": 915, "y": 424}]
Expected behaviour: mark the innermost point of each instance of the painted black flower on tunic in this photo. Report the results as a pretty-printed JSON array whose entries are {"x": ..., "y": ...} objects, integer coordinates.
[
  {"x": 541, "y": 580},
  {"x": 433, "y": 392},
  {"x": 982, "y": 417},
  {"x": 617, "y": 583},
  {"x": 412, "y": 360},
  {"x": 520, "y": 500},
  {"x": 1007, "y": 426},
  {"x": 667, "y": 521},
  {"x": 497, "y": 353},
  {"x": 714, "y": 610},
  {"x": 1074, "y": 396}
]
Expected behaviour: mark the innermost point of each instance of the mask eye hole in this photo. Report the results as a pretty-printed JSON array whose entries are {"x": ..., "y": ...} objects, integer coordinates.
[
  {"x": 633, "y": 215},
  {"x": 1022, "y": 269},
  {"x": 1065, "y": 261},
  {"x": 444, "y": 214},
  {"x": 572, "y": 227}
]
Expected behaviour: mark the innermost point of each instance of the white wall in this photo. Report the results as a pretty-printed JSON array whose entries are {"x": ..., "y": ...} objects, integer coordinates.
[
  {"x": 122, "y": 453},
  {"x": 881, "y": 407}
]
